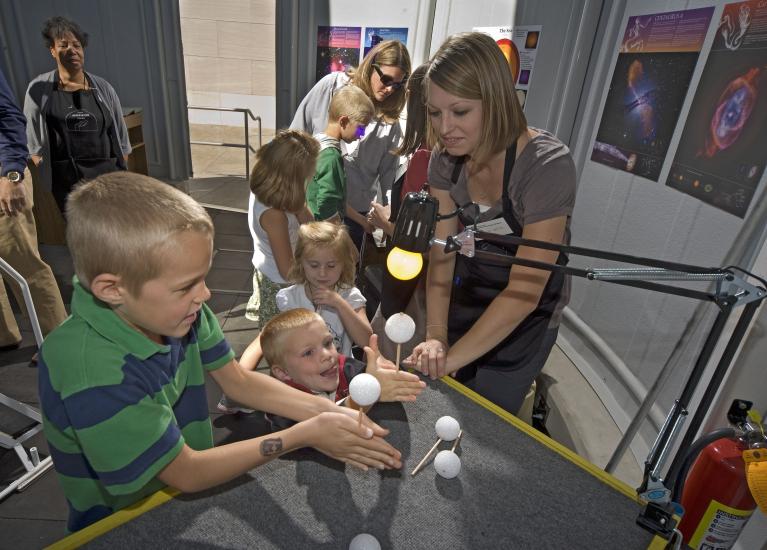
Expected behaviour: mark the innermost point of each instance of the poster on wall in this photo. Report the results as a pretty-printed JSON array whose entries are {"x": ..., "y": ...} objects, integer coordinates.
[
  {"x": 338, "y": 48},
  {"x": 721, "y": 155},
  {"x": 520, "y": 47},
  {"x": 657, "y": 57},
  {"x": 374, "y": 35}
]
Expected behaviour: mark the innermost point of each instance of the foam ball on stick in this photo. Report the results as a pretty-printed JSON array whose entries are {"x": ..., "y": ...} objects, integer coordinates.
[
  {"x": 400, "y": 328},
  {"x": 447, "y": 464},
  {"x": 364, "y": 541},
  {"x": 447, "y": 428},
  {"x": 365, "y": 389}
]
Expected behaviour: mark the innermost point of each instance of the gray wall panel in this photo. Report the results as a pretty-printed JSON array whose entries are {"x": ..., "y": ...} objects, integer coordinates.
[{"x": 134, "y": 44}]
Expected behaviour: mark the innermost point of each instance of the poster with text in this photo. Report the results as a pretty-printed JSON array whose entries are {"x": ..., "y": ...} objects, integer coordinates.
[
  {"x": 657, "y": 57},
  {"x": 520, "y": 47},
  {"x": 374, "y": 35},
  {"x": 338, "y": 48},
  {"x": 721, "y": 155}
]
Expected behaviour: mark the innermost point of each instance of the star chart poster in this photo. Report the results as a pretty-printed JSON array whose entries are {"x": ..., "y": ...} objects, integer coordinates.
[
  {"x": 520, "y": 47},
  {"x": 374, "y": 35},
  {"x": 721, "y": 155},
  {"x": 338, "y": 48},
  {"x": 657, "y": 57}
]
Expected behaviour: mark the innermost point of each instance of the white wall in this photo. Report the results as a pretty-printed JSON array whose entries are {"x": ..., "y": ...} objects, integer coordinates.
[
  {"x": 620, "y": 212},
  {"x": 568, "y": 35}
]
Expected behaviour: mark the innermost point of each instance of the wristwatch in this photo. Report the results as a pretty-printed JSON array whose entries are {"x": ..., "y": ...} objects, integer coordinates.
[{"x": 14, "y": 176}]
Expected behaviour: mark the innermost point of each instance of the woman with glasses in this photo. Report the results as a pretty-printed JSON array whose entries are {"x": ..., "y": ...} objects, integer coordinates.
[
  {"x": 75, "y": 126},
  {"x": 491, "y": 326},
  {"x": 382, "y": 75}
]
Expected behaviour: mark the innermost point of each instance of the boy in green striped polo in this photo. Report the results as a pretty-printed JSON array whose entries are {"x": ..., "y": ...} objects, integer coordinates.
[{"x": 122, "y": 379}]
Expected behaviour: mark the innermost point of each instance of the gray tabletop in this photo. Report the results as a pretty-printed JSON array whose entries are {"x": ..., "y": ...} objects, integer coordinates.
[{"x": 513, "y": 492}]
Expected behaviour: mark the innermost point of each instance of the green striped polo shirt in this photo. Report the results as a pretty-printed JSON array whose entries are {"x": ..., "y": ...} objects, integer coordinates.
[{"x": 118, "y": 407}]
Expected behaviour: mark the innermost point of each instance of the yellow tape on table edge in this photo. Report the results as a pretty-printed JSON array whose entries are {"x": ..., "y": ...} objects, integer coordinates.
[{"x": 77, "y": 539}]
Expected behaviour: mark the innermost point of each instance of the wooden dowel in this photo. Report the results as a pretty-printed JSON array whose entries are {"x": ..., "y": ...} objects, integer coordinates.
[
  {"x": 362, "y": 413},
  {"x": 420, "y": 464},
  {"x": 457, "y": 440}
]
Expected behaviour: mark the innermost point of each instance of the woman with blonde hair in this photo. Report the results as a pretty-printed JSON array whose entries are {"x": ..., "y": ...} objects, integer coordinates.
[
  {"x": 492, "y": 326},
  {"x": 382, "y": 75}
]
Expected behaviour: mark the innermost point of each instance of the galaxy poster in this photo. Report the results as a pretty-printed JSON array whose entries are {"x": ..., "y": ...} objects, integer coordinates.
[
  {"x": 657, "y": 57},
  {"x": 338, "y": 48},
  {"x": 721, "y": 155},
  {"x": 374, "y": 35}
]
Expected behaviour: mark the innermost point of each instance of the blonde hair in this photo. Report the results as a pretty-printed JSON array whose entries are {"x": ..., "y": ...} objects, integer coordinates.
[
  {"x": 314, "y": 235},
  {"x": 352, "y": 102},
  {"x": 471, "y": 66},
  {"x": 282, "y": 170},
  {"x": 275, "y": 330},
  {"x": 123, "y": 223},
  {"x": 389, "y": 53}
]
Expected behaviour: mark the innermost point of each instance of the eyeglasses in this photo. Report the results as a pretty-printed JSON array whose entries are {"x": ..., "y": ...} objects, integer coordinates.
[{"x": 387, "y": 80}]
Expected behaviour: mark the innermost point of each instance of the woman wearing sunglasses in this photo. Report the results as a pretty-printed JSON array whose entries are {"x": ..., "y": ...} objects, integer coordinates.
[
  {"x": 493, "y": 326},
  {"x": 382, "y": 75}
]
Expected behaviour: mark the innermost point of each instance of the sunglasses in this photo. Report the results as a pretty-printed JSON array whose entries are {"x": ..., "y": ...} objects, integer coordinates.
[{"x": 388, "y": 81}]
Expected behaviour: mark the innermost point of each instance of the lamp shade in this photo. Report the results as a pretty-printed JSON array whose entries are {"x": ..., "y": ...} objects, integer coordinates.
[{"x": 415, "y": 222}]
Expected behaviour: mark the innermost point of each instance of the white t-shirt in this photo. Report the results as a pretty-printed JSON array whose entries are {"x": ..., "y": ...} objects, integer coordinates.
[
  {"x": 263, "y": 258},
  {"x": 295, "y": 297}
]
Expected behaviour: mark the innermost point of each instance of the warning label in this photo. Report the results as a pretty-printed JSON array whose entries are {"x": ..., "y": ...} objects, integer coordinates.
[{"x": 719, "y": 528}]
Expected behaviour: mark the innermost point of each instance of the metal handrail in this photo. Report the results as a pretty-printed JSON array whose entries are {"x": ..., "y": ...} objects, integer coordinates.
[
  {"x": 32, "y": 464},
  {"x": 245, "y": 114}
]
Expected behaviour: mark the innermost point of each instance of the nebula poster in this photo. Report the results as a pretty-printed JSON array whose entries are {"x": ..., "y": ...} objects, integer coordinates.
[
  {"x": 338, "y": 48},
  {"x": 374, "y": 35},
  {"x": 721, "y": 155},
  {"x": 657, "y": 57}
]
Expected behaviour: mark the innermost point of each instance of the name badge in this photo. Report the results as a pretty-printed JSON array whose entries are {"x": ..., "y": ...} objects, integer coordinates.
[{"x": 498, "y": 226}]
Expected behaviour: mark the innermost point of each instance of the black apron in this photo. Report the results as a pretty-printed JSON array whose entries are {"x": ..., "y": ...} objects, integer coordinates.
[
  {"x": 477, "y": 282},
  {"x": 83, "y": 140}
]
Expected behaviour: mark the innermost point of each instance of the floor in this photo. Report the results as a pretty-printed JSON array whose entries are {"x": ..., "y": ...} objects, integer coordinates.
[{"x": 36, "y": 517}]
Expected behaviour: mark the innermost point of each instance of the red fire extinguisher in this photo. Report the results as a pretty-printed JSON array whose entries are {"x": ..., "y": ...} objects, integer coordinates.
[{"x": 716, "y": 497}]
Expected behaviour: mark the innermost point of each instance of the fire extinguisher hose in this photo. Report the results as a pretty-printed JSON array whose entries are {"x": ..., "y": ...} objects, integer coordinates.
[{"x": 678, "y": 478}]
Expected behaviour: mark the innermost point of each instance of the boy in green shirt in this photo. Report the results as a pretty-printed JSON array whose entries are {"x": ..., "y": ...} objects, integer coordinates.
[
  {"x": 122, "y": 379},
  {"x": 349, "y": 113}
]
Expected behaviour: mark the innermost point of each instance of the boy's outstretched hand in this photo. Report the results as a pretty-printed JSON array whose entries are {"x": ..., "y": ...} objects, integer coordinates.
[
  {"x": 338, "y": 435},
  {"x": 396, "y": 385}
]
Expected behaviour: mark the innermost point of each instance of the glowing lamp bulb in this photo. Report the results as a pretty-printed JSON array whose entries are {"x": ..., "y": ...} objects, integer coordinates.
[{"x": 404, "y": 265}]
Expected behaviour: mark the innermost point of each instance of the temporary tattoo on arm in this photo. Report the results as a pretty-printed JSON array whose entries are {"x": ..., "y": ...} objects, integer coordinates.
[{"x": 271, "y": 446}]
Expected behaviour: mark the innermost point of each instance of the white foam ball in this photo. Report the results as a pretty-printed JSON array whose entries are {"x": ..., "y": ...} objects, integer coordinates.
[
  {"x": 447, "y": 464},
  {"x": 447, "y": 428},
  {"x": 364, "y": 541},
  {"x": 364, "y": 389},
  {"x": 400, "y": 328}
]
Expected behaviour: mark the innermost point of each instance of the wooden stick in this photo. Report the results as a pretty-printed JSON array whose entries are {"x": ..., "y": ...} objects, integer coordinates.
[
  {"x": 362, "y": 413},
  {"x": 457, "y": 440},
  {"x": 398, "y": 350},
  {"x": 420, "y": 464}
]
